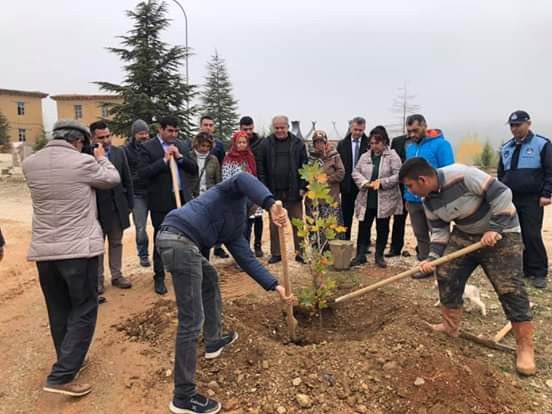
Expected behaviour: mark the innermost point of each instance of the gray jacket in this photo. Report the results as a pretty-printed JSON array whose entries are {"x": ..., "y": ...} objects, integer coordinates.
[{"x": 62, "y": 182}]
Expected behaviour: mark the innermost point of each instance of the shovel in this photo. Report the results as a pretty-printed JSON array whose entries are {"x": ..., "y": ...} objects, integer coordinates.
[
  {"x": 442, "y": 260},
  {"x": 291, "y": 321},
  {"x": 174, "y": 176}
]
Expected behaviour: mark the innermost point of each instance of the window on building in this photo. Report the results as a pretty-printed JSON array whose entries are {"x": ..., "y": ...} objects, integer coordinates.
[
  {"x": 22, "y": 134},
  {"x": 20, "y": 108},
  {"x": 78, "y": 111},
  {"x": 105, "y": 111}
]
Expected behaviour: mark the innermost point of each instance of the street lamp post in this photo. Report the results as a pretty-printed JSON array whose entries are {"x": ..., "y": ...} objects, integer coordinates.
[{"x": 185, "y": 57}]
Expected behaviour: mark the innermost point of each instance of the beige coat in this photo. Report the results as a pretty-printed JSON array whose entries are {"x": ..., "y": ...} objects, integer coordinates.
[
  {"x": 389, "y": 193},
  {"x": 65, "y": 218}
]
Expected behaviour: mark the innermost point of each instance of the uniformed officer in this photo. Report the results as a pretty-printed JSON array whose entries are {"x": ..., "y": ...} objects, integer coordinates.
[{"x": 526, "y": 167}]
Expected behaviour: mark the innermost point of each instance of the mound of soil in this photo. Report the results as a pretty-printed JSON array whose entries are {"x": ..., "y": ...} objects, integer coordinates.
[{"x": 372, "y": 355}]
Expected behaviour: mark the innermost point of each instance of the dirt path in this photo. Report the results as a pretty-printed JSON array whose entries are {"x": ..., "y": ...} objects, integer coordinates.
[{"x": 131, "y": 373}]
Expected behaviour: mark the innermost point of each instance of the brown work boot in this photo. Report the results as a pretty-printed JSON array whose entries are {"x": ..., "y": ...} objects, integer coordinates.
[
  {"x": 451, "y": 321},
  {"x": 121, "y": 282},
  {"x": 73, "y": 389},
  {"x": 525, "y": 361}
]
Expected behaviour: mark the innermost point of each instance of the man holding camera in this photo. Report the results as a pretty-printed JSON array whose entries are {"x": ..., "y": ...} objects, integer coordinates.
[{"x": 66, "y": 242}]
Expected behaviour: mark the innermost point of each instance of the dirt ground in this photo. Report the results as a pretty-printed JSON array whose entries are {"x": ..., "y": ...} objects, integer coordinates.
[{"x": 372, "y": 355}]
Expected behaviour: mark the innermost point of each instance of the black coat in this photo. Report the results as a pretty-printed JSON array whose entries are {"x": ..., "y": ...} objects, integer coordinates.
[
  {"x": 2, "y": 241},
  {"x": 132, "y": 151},
  {"x": 399, "y": 145},
  {"x": 119, "y": 200},
  {"x": 256, "y": 145},
  {"x": 267, "y": 156},
  {"x": 158, "y": 175},
  {"x": 345, "y": 150}
]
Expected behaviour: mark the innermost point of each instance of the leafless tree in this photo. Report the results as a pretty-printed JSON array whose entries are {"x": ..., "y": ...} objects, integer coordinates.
[{"x": 403, "y": 106}]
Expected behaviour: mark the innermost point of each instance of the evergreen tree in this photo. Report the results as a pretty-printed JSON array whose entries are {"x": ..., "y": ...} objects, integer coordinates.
[
  {"x": 152, "y": 86},
  {"x": 41, "y": 140},
  {"x": 4, "y": 132},
  {"x": 487, "y": 158},
  {"x": 217, "y": 100}
]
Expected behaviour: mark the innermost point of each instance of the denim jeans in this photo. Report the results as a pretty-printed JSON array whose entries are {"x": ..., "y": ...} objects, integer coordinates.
[
  {"x": 140, "y": 218},
  {"x": 70, "y": 290},
  {"x": 199, "y": 304}
]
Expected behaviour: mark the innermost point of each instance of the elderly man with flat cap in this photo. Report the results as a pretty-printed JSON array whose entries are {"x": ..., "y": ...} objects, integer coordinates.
[
  {"x": 66, "y": 242},
  {"x": 526, "y": 167}
]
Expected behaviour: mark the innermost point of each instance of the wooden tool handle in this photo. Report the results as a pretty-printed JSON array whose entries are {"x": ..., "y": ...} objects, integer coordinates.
[
  {"x": 175, "y": 180},
  {"x": 503, "y": 332},
  {"x": 442, "y": 260},
  {"x": 291, "y": 322}
]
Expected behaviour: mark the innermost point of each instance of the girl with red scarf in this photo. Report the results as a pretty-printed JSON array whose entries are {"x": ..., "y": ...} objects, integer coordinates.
[{"x": 239, "y": 159}]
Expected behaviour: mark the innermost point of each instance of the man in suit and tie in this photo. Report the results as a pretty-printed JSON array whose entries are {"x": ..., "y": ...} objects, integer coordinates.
[
  {"x": 350, "y": 149},
  {"x": 155, "y": 168},
  {"x": 114, "y": 206}
]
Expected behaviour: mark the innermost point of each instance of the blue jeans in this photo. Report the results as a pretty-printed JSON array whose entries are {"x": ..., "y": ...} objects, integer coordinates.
[
  {"x": 140, "y": 218},
  {"x": 199, "y": 304}
]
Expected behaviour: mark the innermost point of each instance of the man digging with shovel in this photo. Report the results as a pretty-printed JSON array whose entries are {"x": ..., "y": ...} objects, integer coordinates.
[
  {"x": 217, "y": 216},
  {"x": 482, "y": 210}
]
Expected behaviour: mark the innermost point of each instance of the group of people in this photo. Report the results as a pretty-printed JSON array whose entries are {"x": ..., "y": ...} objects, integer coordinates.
[{"x": 83, "y": 189}]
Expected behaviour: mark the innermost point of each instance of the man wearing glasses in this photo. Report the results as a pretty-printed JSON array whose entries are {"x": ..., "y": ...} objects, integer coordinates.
[
  {"x": 526, "y": 167},
  {"x": 114, "y": 207}
]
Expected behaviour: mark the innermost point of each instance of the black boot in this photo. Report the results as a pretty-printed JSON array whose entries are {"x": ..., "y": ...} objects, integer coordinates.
[
  {"x": 360, "y": 256},
  {"x": 258, "y": 250},
  {"x": 380, "y": 261},
  {"x": 159, "y": 285}
]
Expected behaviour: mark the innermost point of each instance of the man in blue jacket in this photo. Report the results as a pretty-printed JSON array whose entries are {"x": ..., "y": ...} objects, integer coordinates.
[
  {"x": 526, "y": 167},
  {"x": 217, "y": 216},
  {"x": 431, "y": 145}
]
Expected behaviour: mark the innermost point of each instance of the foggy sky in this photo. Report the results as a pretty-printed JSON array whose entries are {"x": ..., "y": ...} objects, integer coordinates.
[{"x": 469, "y": 63}]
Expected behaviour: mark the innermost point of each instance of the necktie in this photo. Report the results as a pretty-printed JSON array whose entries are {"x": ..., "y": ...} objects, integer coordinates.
[
  {"x": 515, "y": 157},
  {"x": 357, "y": 150}
]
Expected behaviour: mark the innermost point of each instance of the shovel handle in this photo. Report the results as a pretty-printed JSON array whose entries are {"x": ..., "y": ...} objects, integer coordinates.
[
  {"x": 291, "y": 322},
  {"x": 283, "y": 250},
  {"x": 442, "y": 260},
  {"x": 174, "y": 175}
]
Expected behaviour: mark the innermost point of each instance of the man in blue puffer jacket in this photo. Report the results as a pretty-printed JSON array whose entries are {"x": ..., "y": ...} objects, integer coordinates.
[
  {"x": 431, "y": 145},
  {"x": 217, "y": 216}
]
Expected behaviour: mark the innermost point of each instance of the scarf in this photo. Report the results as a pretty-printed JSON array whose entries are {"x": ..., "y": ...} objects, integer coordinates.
[{"x": 245, "y": 158}]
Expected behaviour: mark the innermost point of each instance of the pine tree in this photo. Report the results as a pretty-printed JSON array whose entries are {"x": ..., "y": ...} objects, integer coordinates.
[
  {"x": 487, "y": 157},
  {"x": 217, "y": 100},
  {"x": 152, "y": 86},
  {"x": 4, "y": 132}
]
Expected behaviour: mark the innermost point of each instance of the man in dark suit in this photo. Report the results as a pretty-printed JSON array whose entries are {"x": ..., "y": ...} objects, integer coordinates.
[
  {"x": 155, "y": 168},
  {"x": 350, "y": 149},
  {"x": 399, "y": 221},
  {"x": 114, "y": 206}
]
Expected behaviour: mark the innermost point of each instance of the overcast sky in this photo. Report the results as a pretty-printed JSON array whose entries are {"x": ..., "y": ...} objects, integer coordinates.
[{"x": 469, "y": 62}]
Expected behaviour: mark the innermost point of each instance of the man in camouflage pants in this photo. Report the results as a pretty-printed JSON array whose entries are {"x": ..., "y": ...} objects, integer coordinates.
[{"x": 482, "y": 210}]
